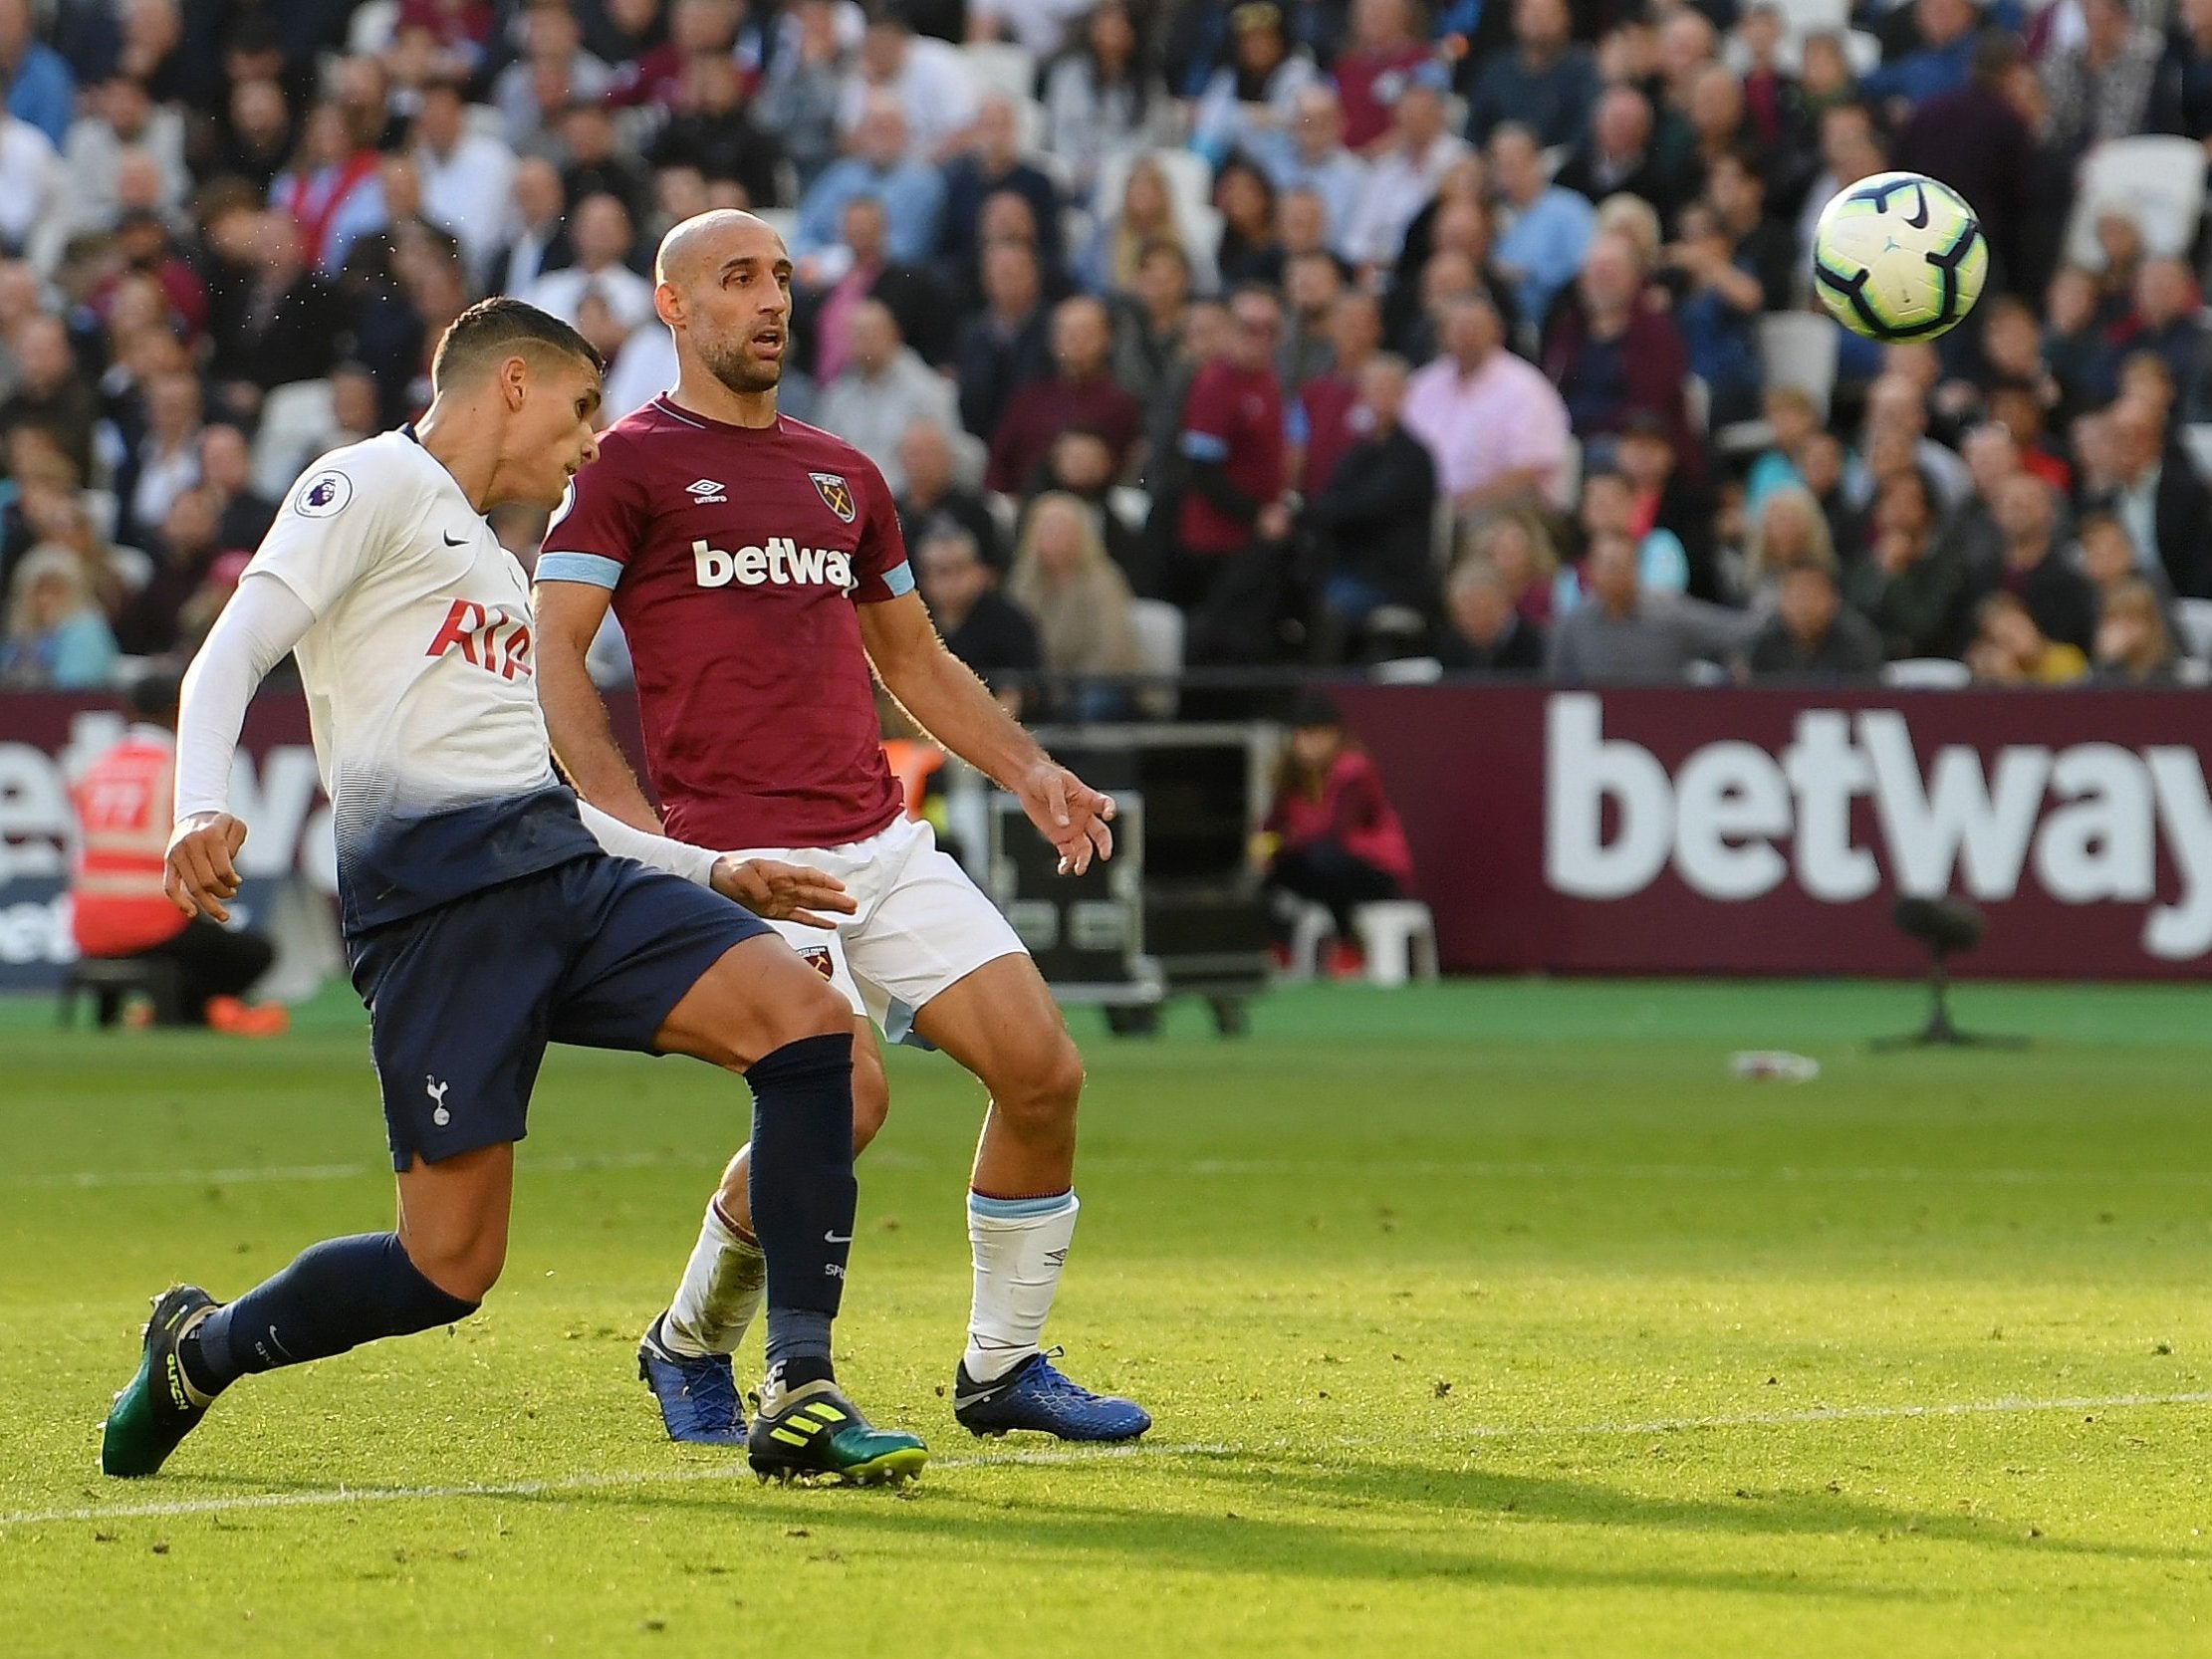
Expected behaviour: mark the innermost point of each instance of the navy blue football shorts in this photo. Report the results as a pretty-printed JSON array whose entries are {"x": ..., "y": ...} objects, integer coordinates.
[{"x": 463, "y": 999}]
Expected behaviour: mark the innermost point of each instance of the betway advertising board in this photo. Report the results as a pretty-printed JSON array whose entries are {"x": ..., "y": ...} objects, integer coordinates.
[{"x": 1694, "y": 830}]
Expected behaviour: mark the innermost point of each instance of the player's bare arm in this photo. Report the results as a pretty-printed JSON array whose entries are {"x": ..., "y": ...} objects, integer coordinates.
[
  {"x": 568, "y": 617},
  {"x": 947, "y": 701},
  {"x": 202, "y": 875}
]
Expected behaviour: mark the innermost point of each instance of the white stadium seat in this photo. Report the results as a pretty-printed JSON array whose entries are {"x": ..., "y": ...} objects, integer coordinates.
[
  {"x": 2157, "y": 181},
  {"x": 1797, "y": 348},
  {"x": 1926, "y": 673},
  {"x": 2197, "y": 441},
  {"x": 2195, "y": 619},
  {"x": 1002, "y": 66}
]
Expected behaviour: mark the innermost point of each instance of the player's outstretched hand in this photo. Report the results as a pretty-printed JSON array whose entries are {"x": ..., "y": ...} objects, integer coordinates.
[
  {"x": 201, "y": 876},
  {"x": 1070, "y": 813},
  {"x": 780, "y": 892}
]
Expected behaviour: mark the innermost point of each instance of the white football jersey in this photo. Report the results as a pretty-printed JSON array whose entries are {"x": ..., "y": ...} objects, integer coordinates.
[{"x": 419, "y": 682}]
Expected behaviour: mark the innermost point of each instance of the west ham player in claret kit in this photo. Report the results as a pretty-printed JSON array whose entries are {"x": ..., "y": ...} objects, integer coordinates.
[
  {"x": 755, "y": 568},
  {"x": 485, "y": 911}
]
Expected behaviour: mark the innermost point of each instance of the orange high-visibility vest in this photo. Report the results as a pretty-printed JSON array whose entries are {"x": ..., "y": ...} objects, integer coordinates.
[
  {"x": 912, "y": 761},
  {"x": 122, "y": 818}
]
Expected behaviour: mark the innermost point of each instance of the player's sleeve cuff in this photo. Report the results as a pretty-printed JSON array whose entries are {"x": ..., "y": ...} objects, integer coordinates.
[
  {"x": 899, "y": 579},
  {"x": 592, "y": 568}
]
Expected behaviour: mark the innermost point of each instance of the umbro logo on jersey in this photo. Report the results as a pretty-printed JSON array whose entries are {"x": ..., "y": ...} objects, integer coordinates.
[
  {"x": 704, "y": 492},
  {"x": 782, "y": 561}
]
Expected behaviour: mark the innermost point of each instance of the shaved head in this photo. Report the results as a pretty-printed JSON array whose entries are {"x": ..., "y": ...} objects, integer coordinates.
[{"x": 724, "y": 288}]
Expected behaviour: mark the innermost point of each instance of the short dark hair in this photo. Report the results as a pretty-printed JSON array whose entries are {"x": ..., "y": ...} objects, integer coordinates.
[
  {"x": 498, "y": 325},
  {"x": 153, "y": 696}
]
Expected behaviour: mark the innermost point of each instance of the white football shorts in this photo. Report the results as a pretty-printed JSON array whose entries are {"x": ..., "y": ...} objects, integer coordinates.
[{"x": 922, "y": 927}]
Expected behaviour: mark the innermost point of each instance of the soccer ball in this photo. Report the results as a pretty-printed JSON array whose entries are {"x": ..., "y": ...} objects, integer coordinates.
[{"x": 1898, "y": 255}]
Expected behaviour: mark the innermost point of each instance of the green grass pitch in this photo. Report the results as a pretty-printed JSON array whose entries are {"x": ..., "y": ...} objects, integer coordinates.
[{"x": 1490, "y": 1318}]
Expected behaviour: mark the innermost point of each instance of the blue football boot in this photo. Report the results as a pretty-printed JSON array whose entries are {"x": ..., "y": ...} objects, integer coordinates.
[
  {"x": 1034, "y": 1395},
  {"x": 698, "y": 1397}
]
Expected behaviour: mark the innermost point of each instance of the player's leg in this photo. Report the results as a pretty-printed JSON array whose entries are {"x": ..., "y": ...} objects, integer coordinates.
[
  {"x": 762, "y": 1012},
  {"x": 685, "y": 1351},
  {"x": 457, "y": 1037},
  {"x": 937, "y": 954}
]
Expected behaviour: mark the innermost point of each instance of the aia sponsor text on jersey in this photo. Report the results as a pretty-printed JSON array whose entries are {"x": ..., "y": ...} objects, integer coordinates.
[{"x": 490, "y": 637}]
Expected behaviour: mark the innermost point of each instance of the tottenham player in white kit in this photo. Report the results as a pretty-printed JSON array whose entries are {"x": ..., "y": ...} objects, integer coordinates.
[{"x": 483, "y": 913}]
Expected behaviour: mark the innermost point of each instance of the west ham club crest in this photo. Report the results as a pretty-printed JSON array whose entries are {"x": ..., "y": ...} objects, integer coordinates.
[{"x": 837, "y": 494}]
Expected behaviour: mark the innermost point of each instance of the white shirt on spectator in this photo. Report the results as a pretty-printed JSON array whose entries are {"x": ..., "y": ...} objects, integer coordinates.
[
  {"x": 935, "y": 94},
  {"x": 642, "y": 369},
  {"x": 1039, "y": 24},
  {"x": 628, "y": 295},
  {"x": 92, "y": 151},
  {"x": 31, "y": 180},
  {"x": 1504, "y": 417},
  {"x": 163, "y": 477},
  {"x": 469, "y": 192},
  {"x": 873, "y": 411},
  {"x": 1399, "y": 186}
]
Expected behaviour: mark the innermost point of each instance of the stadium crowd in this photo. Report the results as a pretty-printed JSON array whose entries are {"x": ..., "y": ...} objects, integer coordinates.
[{"x": 1288, "y": 332}]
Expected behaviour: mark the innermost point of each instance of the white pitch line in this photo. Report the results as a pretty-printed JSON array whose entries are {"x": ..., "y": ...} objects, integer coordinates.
[
  {"x": 554, "y": 1486},
  {"x": 1201, "y": 1168},
  {"x": 1841, "y": 1414}
]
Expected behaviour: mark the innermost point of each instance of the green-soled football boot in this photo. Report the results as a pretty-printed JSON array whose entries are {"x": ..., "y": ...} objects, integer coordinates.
[
  {"x": 158, "y": 1408},
  {"x": 812, "y": 1430}
]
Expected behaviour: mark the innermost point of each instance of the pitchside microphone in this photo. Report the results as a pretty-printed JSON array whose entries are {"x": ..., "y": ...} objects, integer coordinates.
[{"x": 1944, "y": 925}]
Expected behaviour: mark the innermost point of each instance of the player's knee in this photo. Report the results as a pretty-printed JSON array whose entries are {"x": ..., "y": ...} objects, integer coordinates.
[
  {"x": 1044, "y": 1094},
  {"x": 816, "y": 1011},
  {"x": 464, "y": 1267},
  {"x": 871, "y": 1099}
]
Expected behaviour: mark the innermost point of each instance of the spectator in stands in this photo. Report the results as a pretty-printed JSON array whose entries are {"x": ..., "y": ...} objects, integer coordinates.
[
  {"x": 884, "y": 388},
  {"x": 1080, "y": 603},
  {"x": 2135, "y": 644},
  {"x": 2009, "y": 649},
  {"x": 1546, "y": 83},
  {"x": 1991, "y": 458},
  {"x": 118, "y": 909},
  {"x": 121, "y": 123},
  {"x": 877, "y": 165},
  {"x": 1812, "y": 635},
  {"x": 1104, "y": 100},
  {"x": 1251, "y": 102},
  {"x": 1006, "y": 345},
  {"x": 913, "y": 297},
  {"x": 1315, "y": 159},
  {"x": 2181, "y": 95},
  {"x": 1311, "y": 286},
  {"x": 649, "y": 60},
  {"x": 51, "y": 393},
  {"x": 710, "y": 129},
  {"x": 1716, "y": 311},
  {"x": 1330, "y": 835},
  {"x": 56, "y": 515},
  {"x": 259, "y": 135},
  {"x": 1786, "y": 528},
  {"x": 1375, "y": 514},
  {"x": 58, "y": 638},
  {"x": 1407, "y": 169},
  {"x": 1250, "y": 245},
  {"x": 1913, "y": 587},
  {"x": 804, "y": 91},
  {"x": 1850, "y": 150},
  {"x": 979, "y": 624},
  {"x": 1321, "y": 420},
  {"x": 552, "y": 72},
  {"x": 41, "y": 90},
  {"x": 163, "y": 463},
  {"x": 1897, "y": 409},
  {"x": 243, "y": 517},
  {"x": 992, "y": 162},
  {"x": 1611, "y": 354},
  {"x": 1774, "y": 102},
  {"x": 334, "y": 187},
  {"x": 2033, "y": 567},
  {"x": 283, "y": 326},
  {"x": 1547, "y": 228},
  {"x": 1149, "y": 318},
  {"x": 1609, "y": 508},
  {"x": 1939, "y": 62},
  {"x": 1516, "y": 543},
  {"x": 1144, "y": 217},
  {"x": 1232, "y": 503},
  {"x": 468, "y": 177},
  {"x": 184, "y": 550},
  {"x": 1822, "y": 464},
  {"x": 1385, "y": 48},
  {"x": 1621, "y": 636},
  {"x": 1081, "y": 394},
  {"x": 1975, "y": 141},
  {"x": 2099, "y": 87},
  {"x": 2156, "y": 494},
  {"x": 935, "y": 92},
  {"x": 594, "y": 162},
  {"x": 31, "y": 187},
  {"x": 932, "y": 491},
  {"x": 1484, "y": 631},
  {"x": 539, "y": 242},
  {"x": 2108, "y": 559},
  {"x": 1494, "y": 423},
  {"x": 602, "y": 234},
  {"x": 2167, "y": 320},
  {"x": 1620, "y": 155}
]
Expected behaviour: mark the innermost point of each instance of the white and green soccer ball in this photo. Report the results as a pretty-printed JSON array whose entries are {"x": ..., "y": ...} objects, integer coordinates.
[{"x": 1898, "y": 255}]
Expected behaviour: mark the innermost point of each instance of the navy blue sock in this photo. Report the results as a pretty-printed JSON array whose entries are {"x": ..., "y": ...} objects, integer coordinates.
[
  {"x": 334, "y": 1297},
  {"x": 803, "y": 1192}
]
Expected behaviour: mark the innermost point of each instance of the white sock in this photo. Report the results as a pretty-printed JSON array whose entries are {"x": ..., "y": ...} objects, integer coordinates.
[
  {"x": 1019, "y": 1245},
  {"x": 721, "y": 1290}
]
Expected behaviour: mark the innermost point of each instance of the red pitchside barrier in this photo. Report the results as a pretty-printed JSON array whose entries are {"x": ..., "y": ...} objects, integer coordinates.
[{"x": 1696, "y": 830}]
